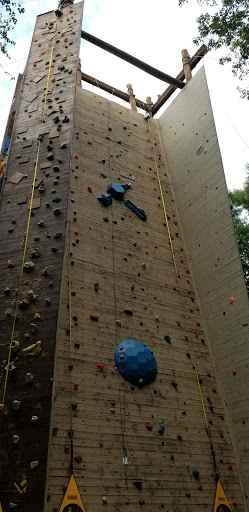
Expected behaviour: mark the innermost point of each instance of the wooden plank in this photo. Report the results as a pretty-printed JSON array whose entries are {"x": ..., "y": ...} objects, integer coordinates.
[{"x": 18, "y": 176}]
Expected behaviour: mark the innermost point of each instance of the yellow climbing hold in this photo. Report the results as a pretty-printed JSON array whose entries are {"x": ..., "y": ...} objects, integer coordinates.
[
  {"x": 144, "y": 265},
  {"x": 36, "y": 315},
  {"x": 23, "y": 483},
  {"x": 42, "y": 53},
  {"x": 32, "y": 350},
  {"x": 118, "y": 322},
  {"x": 10, "y": 264},
  {"x": 245, "y": 324},
  {"x": 157, "y": 319},
  {"x": 53, "y": 79}
]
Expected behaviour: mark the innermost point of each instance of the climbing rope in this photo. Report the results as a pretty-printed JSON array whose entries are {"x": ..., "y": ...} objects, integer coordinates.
[
  {"x": 26, "y": 240},
  {"x": 177, "y": 277}
]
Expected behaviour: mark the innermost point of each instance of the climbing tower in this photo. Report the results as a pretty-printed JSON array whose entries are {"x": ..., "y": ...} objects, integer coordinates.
[{"x": 124, "y": 313}]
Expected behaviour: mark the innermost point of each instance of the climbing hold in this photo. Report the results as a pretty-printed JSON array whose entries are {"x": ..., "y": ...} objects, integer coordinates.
[
  {"x": 138, "y": 485},
  {"x": 245, "y": 324},
  {"x": 96, "y": 287},
  {"x": 76, "y": 157},
  {"x": 179, "y": 437},
  {"x": 32, "y": 350},
  {"x": 94, "y": 317},
  {"x": 16, "y": 404},
  {"x": 214, "y": 390},
  {"x": 56, "y": 199},
  {"x": 76, "y": 385},
  {"x": 186, "y": 338},
  {"x": 104, "y": 499},
  {"x": 105, "y": 199},
  {"x": 57, "y": 212},
  {"x": 15, "y": 439},
  {"x": 149, "y": 427},
  {"x": 55, "y": 431},
  {"x": 229, "y": 467},
  {"x": 36, "y": 315},
  {"x": 196, "y": 474},
  {"x": 141, "y": 502},
  {"x": 15, "y": 346},
  {"x": 139, "y": 362},
  {"x": 23, "y": 305},
  {"x": 67, "y": 448},
  {"x": 157, "y": 319},
  {"x": 34, "y": 419},
  {"x": 118, "y": 322},
  {"x": 90, "y": 189},
  {"x": 100, "y": 366},
  {"x": 210, "y": 421},
  {"x": 160, "y": 429},
  {"x": 7, "y": 291},
  {"x": 234, "y": 502},
  {"x": 137, "y": 211},
  {"x": 28, "y": 267},
  {"x": 231, "y": 300},
  {"x": 34, "y": 464},
  {"x": 187, "y": 494},
  {"x": 234, "y": 372},
  {"x": 116, "y": 191},
  {"x": 34, "y": 253},
  {"x": 29, "y": 377},
  {"x": 174, "y": 384},
  {"x": 78, "y": 458},
  {"x": 10, "y": 264},
  {"x": 128, "y": 311},
  {"x": 168, "y": 339}
]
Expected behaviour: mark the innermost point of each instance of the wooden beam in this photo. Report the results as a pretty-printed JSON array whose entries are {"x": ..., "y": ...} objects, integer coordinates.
[
  {"x": 132, "y": 99},
  {"x": 171, "y": 89},
  {"x": 186, "y": 65},
  {"x": 132, "y": 60},
  {"x": 108, "y": 88}
]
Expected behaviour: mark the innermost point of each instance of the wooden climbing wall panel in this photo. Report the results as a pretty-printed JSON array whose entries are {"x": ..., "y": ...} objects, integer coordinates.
[
  {"x": 202, "y": 199},
  {"x": 133, "y": 447},
  {"x": 23, "y": 458}
]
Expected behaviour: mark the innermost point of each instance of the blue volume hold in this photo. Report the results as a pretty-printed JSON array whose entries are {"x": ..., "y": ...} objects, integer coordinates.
[{"x": 135, "y": 362}]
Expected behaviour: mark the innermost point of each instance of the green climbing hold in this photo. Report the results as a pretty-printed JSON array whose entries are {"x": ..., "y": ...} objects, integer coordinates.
[
  {"x": 24, "y": 138},
  {"x": 187, "y": 494},
  {"x": 36, "y": 238},
  {"x": 68, "y": 19},
  {"x": 43, "y": 99},
  {"x": 57, "y": 41},
  {"x": 64, "y": 82},
  {"x": 72, "y": 33},
  {"x": 56, "y": 199},
  {"x": 46, "y": 63}
]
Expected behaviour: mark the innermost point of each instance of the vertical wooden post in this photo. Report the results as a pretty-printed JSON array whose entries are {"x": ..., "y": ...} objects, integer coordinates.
[
  {"x": 186, "y": 65},
  {"x": 131, "y": 98},
  {"x": 78, "y": 76},
  {"x": 149, "y": 105}
]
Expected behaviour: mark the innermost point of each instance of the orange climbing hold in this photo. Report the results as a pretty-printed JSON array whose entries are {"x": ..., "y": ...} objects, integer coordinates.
[{"x": 231, "y": 300}]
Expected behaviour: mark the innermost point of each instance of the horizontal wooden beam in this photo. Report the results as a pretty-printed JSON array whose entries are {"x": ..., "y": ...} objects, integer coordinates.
[
  {"x": 132, "y": 60},
  {"x": 171, "y": 89},
  {"x": 108, "y": 88}
]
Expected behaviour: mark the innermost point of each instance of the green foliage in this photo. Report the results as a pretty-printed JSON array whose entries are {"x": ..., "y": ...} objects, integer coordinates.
[
  {"x": 240, "y": 212},
  {"x": 228, "y": 26},
  {"x": 8, "y": 19}
]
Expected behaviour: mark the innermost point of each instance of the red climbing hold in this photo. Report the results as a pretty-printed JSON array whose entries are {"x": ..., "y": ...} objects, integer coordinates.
[
  {"x": 90, "y": 188},
  {"x": 55, "y": 395},
  {"x": 200, "y": 487},
  {"x": 64, "y": 488},
  {"x": 67, "y": 448},
  {"x": 67, "y": 330},
  {"x": 187, "y": 271},
  {"x": 141, "y": 502},
  {"x": 149, "y": 427},
  {"x": 229, "y": 467},
  {"x": 94, "y": 317},
  {"x": 208, "y": 399},
  {"x": 188, "y": 291},
  {"x": 198, "y": 324},
  {"x": 175, "y": 222},
  {"x": 234, "y": 502},
  {"x": 214, "y": 390},
  {"x": 231, "y": 300},
  {"x": 113, "y": 403},
  {"x": 76, "y": 157},
  {"x": 128, "y": 311},
  {"x": 210, "y": 421},
  {"x": 76, "y": 385},
  {"x": 100, "y": 366},
  {"x": 221, "y": 416},
  {"x": 186, "y": 338},
  {"x": 55, "y": 431},
  {"x": 76, "y": 233},
  {"x": 209, "y": 374},
  {"x": 96, "y": 286},
  {"x": 220, "y": 434},
  {"x": 174, "y": 288},
  {"x": 196, "y": 335},
  {"x": 234, "y": 372}
]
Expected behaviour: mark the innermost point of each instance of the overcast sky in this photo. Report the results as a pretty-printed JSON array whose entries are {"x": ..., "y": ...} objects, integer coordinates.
[{"x": 155, "y": 32}]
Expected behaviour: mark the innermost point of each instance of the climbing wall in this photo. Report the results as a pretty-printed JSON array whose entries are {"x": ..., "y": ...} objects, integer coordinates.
[
  {"x": 134, "y": 446},
  {"x": 201, "y": 194},
  {"x": 39, "y": 152}
]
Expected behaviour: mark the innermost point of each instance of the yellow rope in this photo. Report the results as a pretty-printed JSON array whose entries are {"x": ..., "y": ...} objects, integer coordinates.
[
  {"x": 26, "y": 238},
  {"x": 174, "y": 260}
]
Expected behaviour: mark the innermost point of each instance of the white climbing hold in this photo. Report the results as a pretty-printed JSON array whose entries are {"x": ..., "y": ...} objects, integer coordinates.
[
  {"x": 13, "y": 505},
  {"x": 16, "y": 404},
  {"x": 15, "y": 439},
  {"x": 29, "y": 377},
  {"x": 140, "y": 381},
  {"x": 34, "y": 419},
  {"x": 104, "y": 499},
  {"x": 15, "y": 346},
  {"x": 34, "y": 464}
]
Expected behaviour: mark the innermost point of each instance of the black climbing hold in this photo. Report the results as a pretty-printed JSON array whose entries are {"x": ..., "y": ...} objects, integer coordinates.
[
  {"x": 196, "y": 474},
  {"x": 138, "y": 485},
  {"x": 63, "y": 146},
  {"x": 174, "y": 384},
  {"x": 168, "y": 339},
  {"x": 106, "y": 219},
  {"x": 50, "y": 156},
  {"x": 54, "y": 249},
  {"x": 57, "y": 212},
  {"x": 23, "y": 305},
  {"x": 57, "y": 235},
  {"x": 7, "y": 291},
  {"x": 137, "y": 211},
  {"x": 74, "y": 407},
  {"x": 172, "y": 457},
  {"x": 179, "y": 437},
  {"x": 103, "y": 174},
  {"x": 34, "y": 253},
  {"x": 56, "y": 168}
]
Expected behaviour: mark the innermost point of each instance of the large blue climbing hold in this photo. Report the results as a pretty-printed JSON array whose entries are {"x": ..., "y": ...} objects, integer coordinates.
[
  {"x": 138, "y": 211},
  {"x": 105, "y": 199},
  {"x": 116, "y": 190},
  {"x": 135, "y": 362}
]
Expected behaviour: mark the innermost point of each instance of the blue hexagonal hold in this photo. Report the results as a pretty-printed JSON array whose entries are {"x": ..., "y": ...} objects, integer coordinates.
[
  {"x": 135, "y": 362},
  {"x": 116, "y": 190},
  {"x": 105, "y": 199}
]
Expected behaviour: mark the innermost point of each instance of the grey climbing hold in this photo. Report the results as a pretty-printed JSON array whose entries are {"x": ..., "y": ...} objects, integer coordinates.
[
  {"x": 45, "y": 271},
  {"x": 32, "y": 295},
  {"x": 48, "y": 302},
  {"x": 50, "y": 156},
  {"x": 63, "y": 146},
  {"x": 7, "y": 291},
  {"x": 34, "y": 253},
  {"x": 42, "y": 189},
  {"x": 16, "y": 404},
  {"x": 15, "y": 346},
  {"x": 26, "y": 336},
  {"x": 34, "y": 464},
  {"x": 103, "y": 174},
  {"x": 28, "y": 266},
  {"x": 15, "y": 439},
  {"x": 12, "y": 504},
  {"x": 161, "y": 429},
  {"x": 23, "y": 305},
  {"x": 57, "y": 235},
  {"x": 33, "y": 328},
  {"x": 11, "y": 366},
  {"x": 196, "y": 474},
  {"x": 34, "y": 419}
]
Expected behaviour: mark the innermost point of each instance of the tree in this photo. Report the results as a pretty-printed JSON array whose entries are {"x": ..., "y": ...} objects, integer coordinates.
[
  {"x": 8, "y": 19},
  {"x": 240, "y": 213},
  {"x": 228, "y": 26}
]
